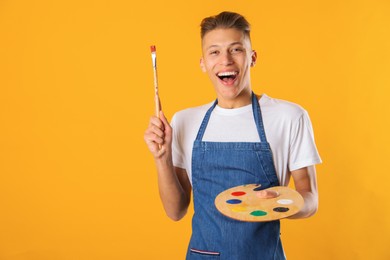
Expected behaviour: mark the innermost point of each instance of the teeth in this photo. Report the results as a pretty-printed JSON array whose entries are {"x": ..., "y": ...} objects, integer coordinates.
[{"x": 227, "y": 73}]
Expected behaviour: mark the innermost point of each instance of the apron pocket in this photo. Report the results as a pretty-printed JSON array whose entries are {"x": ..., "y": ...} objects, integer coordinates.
[{"x": 195, "y": 251}]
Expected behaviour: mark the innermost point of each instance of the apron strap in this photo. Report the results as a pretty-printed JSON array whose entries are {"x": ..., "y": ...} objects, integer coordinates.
[
  {"x": 205, "y": 121},
  {"x": 256, "y": 113},
  {"x": 258, "y": 118}
]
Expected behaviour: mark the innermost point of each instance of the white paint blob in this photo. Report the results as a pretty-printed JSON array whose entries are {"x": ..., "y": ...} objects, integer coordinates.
[{"x": 285, "y": 201}]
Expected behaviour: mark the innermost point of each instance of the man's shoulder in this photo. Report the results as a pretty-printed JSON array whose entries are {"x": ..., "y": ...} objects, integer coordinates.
[
  {"x": 193, "y": 111},
  {"x": 191, "y": 114},
  {"x": 275, "y": 106}
]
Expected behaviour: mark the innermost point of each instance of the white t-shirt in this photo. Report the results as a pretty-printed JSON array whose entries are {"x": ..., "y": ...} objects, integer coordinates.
[{"x": 287, "y": 127}]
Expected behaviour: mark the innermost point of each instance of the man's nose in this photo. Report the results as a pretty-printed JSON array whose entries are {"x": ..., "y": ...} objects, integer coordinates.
[{"x": 226, "y": 58}]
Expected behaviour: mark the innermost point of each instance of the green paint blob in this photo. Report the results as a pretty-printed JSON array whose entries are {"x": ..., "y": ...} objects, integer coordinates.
[{"x": 258, "y": 213}]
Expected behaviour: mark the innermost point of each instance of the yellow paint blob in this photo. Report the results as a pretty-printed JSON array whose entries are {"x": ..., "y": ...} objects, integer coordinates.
[{"x": 239, "y": 209}]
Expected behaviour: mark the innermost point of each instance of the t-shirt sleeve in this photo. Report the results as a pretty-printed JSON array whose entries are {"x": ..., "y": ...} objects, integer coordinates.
[
  {"x": 303, "y": 150},
  {"x": 177, "y": 149}
]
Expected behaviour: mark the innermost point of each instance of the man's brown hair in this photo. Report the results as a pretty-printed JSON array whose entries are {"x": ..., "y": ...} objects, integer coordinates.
[{"x": 225, "y": 20}]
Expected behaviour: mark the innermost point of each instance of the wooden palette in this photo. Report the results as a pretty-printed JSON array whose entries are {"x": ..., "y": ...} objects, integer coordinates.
[{"x": 242, "y": 203}]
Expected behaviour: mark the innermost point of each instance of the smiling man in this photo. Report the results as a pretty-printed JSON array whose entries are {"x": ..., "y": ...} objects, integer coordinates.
[
  {"x": 227, "y": 58},
  {"x": 241, "y": 138}
]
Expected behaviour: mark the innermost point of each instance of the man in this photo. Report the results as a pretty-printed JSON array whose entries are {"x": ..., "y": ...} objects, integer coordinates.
[{"x": 239, "y": 139}]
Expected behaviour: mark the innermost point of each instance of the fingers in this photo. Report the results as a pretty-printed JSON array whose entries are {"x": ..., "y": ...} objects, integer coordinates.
[
  {"x": 154, "y": 120},
  {"x": 163, "y": 118},
  {"x": 158, "y": 135},
  {"x": 167, "y": 126},
  {"x": 152, "y": 138},
  {"x": 267, "y": 194},
  {"x": 155, "y": 132}
]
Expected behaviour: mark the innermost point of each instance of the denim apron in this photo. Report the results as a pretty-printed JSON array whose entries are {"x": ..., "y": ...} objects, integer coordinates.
[{"x": 217, "y": 166}]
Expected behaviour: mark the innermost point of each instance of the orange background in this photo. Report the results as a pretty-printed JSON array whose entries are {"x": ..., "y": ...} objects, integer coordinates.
[{"x": 76, "y": 94}]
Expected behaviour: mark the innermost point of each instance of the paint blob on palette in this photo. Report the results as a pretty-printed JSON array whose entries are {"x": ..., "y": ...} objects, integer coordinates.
[{"x": 243, "y": 203}]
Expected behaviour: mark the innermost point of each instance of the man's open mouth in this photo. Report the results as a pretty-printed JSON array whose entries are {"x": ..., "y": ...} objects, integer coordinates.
[{"x": 227, "y": 76}]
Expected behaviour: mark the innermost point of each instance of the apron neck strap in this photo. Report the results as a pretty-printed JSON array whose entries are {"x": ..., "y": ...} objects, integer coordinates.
[
  {"x": 258, "y": 118},
  {"x": 256, "y": 113}
]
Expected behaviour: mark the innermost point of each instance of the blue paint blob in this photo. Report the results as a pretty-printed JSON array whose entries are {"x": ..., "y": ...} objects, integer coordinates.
[{"x": 234, "y": 201}]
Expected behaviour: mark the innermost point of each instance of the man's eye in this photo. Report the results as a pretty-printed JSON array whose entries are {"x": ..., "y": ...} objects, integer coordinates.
[
  {"x": 236, "y": 50},
  {"x": 214, "y": 52}
]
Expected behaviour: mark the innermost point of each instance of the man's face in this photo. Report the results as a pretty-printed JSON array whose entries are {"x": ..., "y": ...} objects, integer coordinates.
[{"x": 227, "y": 58}]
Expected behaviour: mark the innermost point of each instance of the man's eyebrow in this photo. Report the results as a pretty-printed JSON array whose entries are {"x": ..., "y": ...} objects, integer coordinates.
[
  {"x": 235, "y": 43},
  {"x": 231, "y": 44},
  {"x": 212, "y": 46}
]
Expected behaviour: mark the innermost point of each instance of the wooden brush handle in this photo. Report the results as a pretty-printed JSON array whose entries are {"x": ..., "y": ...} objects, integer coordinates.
[{"x": 157, "y": 105}]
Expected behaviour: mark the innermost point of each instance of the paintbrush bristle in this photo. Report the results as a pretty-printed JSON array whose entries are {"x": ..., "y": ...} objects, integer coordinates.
[{"x": 153, "y": 48}]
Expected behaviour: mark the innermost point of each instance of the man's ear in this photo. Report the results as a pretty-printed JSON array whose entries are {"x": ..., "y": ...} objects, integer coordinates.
[
  {"x": 254, "y": 58},
  {"x": 202, "y": 66}
]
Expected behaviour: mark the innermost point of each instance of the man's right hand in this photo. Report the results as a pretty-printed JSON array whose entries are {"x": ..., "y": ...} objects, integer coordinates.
[{"x": 158, "y": 136}]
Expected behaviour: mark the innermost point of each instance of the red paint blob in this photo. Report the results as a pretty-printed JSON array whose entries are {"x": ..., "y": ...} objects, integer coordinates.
[{"x": 238, "y": 193}]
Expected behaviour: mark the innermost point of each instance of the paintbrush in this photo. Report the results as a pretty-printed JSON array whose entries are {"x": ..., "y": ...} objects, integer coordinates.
[{"x": 156, "y": 97}]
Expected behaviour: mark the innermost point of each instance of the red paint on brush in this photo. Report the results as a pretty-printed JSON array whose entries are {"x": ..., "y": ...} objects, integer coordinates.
[{"x": 153, "y": 48}]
